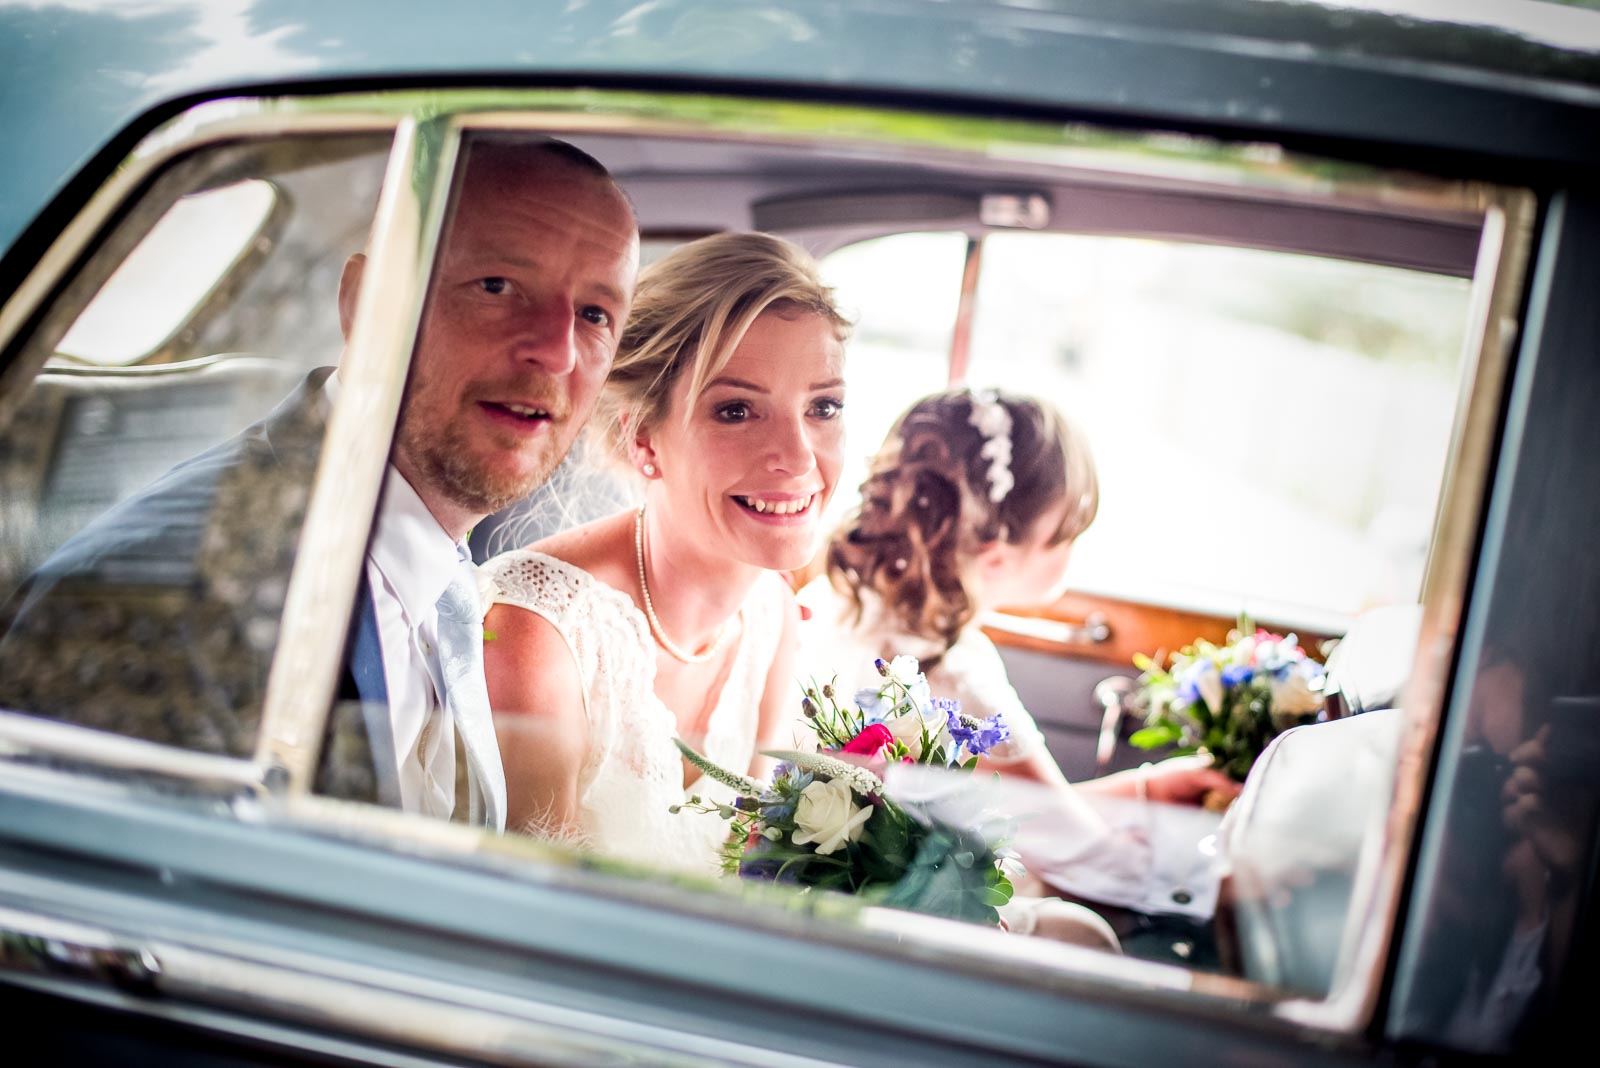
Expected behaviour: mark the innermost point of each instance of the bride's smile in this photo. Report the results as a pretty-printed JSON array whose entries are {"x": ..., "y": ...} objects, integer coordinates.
[
  {"x": 777, "y": 509},
  {"x": 754, "y": 458}
]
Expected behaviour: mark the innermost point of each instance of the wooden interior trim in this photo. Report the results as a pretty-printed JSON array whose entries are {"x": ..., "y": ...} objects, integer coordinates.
[{"x": 1135, "y": 628}]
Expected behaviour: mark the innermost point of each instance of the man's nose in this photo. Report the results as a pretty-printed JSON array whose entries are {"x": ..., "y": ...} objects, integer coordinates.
[
  {"x": 547, "y": 336},
  {"x": 790, "y": 450}
]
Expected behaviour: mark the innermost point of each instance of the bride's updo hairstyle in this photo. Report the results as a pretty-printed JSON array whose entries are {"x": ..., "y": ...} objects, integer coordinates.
[
  {"x": 690, "y": 311},
  {"x": 958, "y": 471}
]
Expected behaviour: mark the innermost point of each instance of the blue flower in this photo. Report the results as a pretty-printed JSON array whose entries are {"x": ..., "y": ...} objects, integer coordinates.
[
  {"x": 1201, "y": 683},
  {"x": 977, "y": 736},
  {"x": 873, "y": 705},
  {"x": 756, "y": 865},
  {"x": 776, "y": 805},
  {"x": 921, "y": 697},
  {"x": 1234, "y": 674}
]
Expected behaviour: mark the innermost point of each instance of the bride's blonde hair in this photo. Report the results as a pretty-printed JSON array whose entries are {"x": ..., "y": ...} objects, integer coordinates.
[{"x": 690, "y": 311}]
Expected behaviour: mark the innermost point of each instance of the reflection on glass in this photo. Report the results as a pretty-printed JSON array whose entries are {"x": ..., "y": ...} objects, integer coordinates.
[
  {"x": 151, "y": 514},
  {"x": 169, "y": 274}
]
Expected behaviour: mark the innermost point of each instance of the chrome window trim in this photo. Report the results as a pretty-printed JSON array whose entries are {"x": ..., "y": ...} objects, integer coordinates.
[
  {"x": 1488, "y": 344},
  {"x": 306, "y": 662},
  {"x": 24, "y": 735},
  {"x": 332, "y": 552},
  {"x": 205, "y": 124}
]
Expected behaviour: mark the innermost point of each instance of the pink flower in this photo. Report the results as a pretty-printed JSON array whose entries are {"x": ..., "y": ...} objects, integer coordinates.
[{"x": 870, "y": 742}]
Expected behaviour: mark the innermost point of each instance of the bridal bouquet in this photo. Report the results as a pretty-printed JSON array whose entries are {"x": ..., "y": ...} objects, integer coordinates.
[
  {"x": 827, "y": 819},
  {"x": 1228, "y": 700}
]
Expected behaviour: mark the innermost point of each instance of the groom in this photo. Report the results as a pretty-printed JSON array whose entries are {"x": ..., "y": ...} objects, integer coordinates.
[{"x": 530, "y": 292}]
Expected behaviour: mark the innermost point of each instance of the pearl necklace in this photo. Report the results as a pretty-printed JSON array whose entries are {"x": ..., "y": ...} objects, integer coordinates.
[{"x": 656, "y": 629}]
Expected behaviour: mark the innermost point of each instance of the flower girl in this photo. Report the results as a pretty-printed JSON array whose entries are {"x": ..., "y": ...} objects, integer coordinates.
[{"x": 973, "y": 503}]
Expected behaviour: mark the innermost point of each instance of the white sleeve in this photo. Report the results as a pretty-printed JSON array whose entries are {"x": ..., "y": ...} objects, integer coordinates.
[
  {"x": 1151, "y": 857},
  {"x": 1158, "y": 858}
]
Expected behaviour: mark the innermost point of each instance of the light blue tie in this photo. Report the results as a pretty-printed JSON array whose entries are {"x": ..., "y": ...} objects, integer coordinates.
[{"x": 466, "y": 695}]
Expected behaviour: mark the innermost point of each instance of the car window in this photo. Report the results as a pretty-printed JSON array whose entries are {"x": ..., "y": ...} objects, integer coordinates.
[
  {"x": 169, "y": 276},
  {"x": 1169, "y": 350},
  {"x": 152, "y": 512},
  {"x": 904, "y": 292},
  {"x": 1255, "y": 400}
]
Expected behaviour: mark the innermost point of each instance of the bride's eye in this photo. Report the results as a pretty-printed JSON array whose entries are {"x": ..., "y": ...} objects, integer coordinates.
[
  {"x": 827, "y": 407},
  {"x": 731, "y": 412}
]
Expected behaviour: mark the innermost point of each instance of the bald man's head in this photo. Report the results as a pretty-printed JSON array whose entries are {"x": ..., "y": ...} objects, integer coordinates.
[{"x": 529, "y": 295}]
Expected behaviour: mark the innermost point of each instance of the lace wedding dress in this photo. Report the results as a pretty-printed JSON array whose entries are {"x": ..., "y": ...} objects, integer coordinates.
[{"x": 633, "y": 773}]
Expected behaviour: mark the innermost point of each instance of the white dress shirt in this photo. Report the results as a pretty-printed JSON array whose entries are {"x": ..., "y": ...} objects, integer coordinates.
[{"x": 409, "y": 563}]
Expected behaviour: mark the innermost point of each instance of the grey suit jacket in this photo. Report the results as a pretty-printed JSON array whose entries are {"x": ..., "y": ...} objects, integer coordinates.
[{"x": 159, "y": 619}]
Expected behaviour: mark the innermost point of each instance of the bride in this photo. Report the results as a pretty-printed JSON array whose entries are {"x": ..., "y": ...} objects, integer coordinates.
[{"x": 606, "y": 642}]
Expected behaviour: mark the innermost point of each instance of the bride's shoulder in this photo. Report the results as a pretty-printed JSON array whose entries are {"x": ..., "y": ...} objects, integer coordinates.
[
  {"x": 602, "y": 550},
  {"x": 573, "y": 567}
]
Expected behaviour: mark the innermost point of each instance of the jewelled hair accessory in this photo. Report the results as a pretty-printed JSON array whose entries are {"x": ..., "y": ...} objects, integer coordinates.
[{"x": 994, "y": 423}]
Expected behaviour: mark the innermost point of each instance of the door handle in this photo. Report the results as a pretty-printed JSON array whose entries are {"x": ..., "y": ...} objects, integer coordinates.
[
  {"x": 1112, "y": 693},
  {"x": 1094, "y": 630},
  {"x": 55, "y": 949}
]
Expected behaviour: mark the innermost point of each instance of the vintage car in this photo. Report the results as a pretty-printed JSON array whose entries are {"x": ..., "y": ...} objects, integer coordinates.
[{"x": 1317, "y": 279}]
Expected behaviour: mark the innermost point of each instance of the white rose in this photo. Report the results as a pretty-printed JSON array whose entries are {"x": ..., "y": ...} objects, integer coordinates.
[
  {"x": 907, "y": 729},
  {"x": 828, "y": 815},
  {"x": 1293, "y": 696}
]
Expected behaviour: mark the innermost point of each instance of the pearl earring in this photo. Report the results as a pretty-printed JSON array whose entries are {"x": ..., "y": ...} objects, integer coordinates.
[{"x": 649, "y": 470}]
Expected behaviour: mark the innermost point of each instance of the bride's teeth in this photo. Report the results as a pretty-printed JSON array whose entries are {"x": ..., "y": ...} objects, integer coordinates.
[{"x": 756, "y": 504}]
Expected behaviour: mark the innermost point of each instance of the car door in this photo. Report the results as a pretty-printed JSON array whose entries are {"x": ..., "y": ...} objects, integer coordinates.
[{"x": 217, "y": 887}]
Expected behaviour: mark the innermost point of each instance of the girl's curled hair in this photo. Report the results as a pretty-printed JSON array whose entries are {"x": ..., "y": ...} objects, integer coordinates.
[{"x": 927, "y": 507}]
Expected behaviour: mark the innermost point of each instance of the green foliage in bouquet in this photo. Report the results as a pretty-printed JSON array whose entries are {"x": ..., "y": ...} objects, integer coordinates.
[
  {"x": 1228, "y": 700},
  {"x": 826, "y": 821}
]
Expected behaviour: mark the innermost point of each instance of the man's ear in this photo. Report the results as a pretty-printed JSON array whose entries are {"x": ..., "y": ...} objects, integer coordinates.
[{"x": 349, "y": 290}]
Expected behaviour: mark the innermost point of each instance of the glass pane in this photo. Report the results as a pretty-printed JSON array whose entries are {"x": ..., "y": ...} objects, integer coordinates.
[
  {"x": 152, "y": 513},
  {"x": 171, "y": 272},
  {"x": 904, "y": 292},
  {"x": 1285, "y": 418}
]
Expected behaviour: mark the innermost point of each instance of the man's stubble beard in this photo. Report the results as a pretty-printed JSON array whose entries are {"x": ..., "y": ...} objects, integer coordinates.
[{"x": 446, "y": 462}]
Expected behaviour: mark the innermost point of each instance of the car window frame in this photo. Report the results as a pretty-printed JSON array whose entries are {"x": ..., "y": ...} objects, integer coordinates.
[{"x": 428, "y": 128}]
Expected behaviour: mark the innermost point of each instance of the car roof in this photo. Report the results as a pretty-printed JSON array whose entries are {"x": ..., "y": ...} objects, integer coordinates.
[{"x": 1513, "y": 79}]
